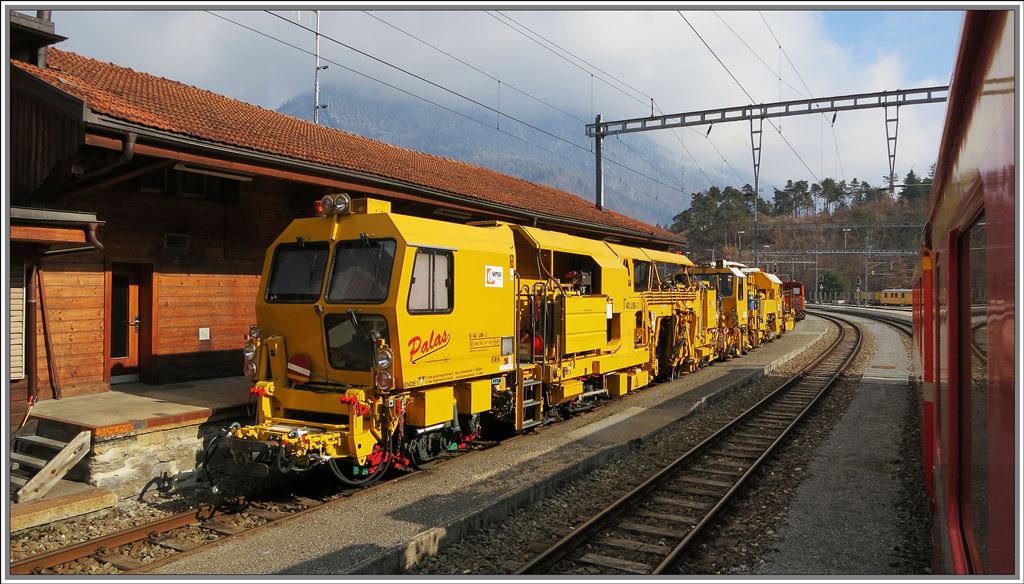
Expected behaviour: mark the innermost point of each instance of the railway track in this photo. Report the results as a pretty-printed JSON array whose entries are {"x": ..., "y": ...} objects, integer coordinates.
[
  {"x": 648, "y": 530},
  {"x": 900, "y": 323},
  {"x": 183, "y": 533},
  {"x": 173, "y": 535}
]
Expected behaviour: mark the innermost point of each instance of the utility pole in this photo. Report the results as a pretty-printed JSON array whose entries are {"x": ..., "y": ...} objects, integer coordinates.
[
  {"x": 817, "y": 279},
  {"x": 316, "y": 73},
  {"x": 867, "y": 260},
  {"x": 755, "y": 148},
  {"x": 599, "y": 166}
]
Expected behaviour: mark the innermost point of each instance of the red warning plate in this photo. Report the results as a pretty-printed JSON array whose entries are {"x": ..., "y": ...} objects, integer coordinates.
[{"x": 299, "y": 368}]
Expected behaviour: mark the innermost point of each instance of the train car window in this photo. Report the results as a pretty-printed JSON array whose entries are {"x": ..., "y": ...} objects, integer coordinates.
[
  {"x": 641, "y": 276},
  {"x": 665, "y": 272},
  {"x": 974, "y": 394},
  {"x": 361, "y": 272},
  {"x": 432, "y": 282},
  {"x": 351, "y": 339},
  {"x": 725, "y": 285},
  {"x": 711, "y": 279},
  {"x": 297, "y": 272}
]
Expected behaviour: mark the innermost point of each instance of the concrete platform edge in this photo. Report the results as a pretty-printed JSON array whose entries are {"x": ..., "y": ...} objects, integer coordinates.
[{"x": 403, "y": 556}]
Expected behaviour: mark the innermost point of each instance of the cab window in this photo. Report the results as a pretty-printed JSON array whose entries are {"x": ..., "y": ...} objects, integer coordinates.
[
  {"x": 352, "y": 337},
  {"x": 641, "y": 275},
  {"x": 361, "y": 272},
  {"x": 431, "y": 287},
  {"x": 666, "y": 271},
  {"x": 297, "y": 272}
]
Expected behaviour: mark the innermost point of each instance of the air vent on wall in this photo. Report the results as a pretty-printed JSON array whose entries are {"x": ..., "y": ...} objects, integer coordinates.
[{"x": 175, "y": 241}]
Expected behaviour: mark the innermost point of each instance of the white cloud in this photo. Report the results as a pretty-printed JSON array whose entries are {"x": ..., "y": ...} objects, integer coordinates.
[{"x": 653, "y": 51}]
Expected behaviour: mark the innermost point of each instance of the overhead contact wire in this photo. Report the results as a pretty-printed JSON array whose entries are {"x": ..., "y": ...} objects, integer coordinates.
[
  {"x": 752, "y": 100},
  {"x": 465, "y": 97}
]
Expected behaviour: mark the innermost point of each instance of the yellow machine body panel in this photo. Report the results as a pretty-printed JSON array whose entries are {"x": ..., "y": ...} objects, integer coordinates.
[
  {"x": 431, "y": 406},
  {"x": 584, "y": 323},
  {"x": 473, "y": 397}
]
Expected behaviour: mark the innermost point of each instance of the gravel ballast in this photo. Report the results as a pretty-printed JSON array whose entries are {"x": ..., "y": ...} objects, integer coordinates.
[
  {"x": 759, "y": 532},
  {"x": 502, "y": 548},
  {"x": 372, "y": 521}
]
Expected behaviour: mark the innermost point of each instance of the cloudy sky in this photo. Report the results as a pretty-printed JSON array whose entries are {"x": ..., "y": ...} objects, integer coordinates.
[{"x": 613, "y": 63}]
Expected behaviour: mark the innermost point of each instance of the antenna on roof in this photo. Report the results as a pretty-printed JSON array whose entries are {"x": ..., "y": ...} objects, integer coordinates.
[{"x": 316, "y": 73}]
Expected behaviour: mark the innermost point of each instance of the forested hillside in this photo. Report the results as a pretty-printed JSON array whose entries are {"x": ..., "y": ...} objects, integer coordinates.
[{"x": 805, "y": 222}]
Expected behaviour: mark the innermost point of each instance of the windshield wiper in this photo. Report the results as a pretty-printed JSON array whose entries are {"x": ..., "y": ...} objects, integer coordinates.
[
  {"x": 363, "y": 237},
  {"x": 372, "y": 335}
]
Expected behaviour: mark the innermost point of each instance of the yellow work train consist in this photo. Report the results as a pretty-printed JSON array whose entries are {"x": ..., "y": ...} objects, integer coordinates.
[{"x": 383, "y": 338}]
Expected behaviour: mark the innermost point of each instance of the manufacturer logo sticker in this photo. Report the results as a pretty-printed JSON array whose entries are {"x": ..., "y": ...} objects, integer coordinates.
[{"x": 494, "y": 277}]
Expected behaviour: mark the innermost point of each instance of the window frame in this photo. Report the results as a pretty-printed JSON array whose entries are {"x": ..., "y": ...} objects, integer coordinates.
[
  {"x": 432, "y": 252},
  {"x": 344, "y": 317},
  {"x": 273, "y": 268},
  {"x": 967, "y": 405},
  {"x": 646, "y": 286},
  {"x": 333, "y": 262}
]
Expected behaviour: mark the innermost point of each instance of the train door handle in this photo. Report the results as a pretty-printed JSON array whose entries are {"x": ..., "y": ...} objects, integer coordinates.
[{"x": 137, "y": 323}]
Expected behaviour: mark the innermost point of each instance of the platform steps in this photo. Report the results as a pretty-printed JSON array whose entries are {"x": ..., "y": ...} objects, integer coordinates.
[{"x": 39, "y": 463}]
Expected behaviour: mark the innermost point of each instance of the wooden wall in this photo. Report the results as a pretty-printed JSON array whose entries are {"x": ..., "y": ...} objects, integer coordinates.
[
  {"x": 74, "y": 300},
  {"x": 47, "y": 130},
  {"x": 212, "y": 284},
  {"x": 16, "y": 340}
]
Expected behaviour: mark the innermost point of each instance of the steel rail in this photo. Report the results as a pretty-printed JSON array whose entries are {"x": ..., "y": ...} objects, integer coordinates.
[
  {"x": 194, "y": 517},
  {"x": 673, "y": 556},
  {"x": 130, "y": 535},
  {"x": 562, "y": 548},
  {"x": 900, "y": 323}
]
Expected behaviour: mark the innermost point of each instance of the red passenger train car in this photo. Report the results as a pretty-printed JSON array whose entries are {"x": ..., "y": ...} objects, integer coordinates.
[
  {"x": 794, "y": 299},
  {"x": 963, "y": 310}
]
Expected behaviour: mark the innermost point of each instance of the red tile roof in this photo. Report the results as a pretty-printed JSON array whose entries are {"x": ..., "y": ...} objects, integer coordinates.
[{"x": 171, "y": 106}]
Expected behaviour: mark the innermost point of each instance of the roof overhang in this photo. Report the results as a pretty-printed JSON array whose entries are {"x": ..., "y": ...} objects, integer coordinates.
[
  {"x": 51, "y": 226},
  {"x": 160, "y": 143}
]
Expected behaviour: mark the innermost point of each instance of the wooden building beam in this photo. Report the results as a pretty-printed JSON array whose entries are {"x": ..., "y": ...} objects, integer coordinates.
[{"x": 34, "y": 234}]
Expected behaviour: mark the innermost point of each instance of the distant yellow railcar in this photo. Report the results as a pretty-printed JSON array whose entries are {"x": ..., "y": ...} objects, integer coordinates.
[
  {"x": 730, "y": 284},
  {"x": 765, "y": 289},
  {"x": 383, "y": 338},
  {"x": 896, "y": 297}
]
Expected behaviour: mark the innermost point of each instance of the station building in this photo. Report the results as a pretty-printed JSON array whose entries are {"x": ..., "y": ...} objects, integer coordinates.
[{"x": 141, "y": 209}]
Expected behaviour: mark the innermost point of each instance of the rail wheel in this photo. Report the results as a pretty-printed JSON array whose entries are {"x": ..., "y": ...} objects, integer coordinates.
[
  {"x": 424, "y": 451},
  {"x": 354, "y": 475}
]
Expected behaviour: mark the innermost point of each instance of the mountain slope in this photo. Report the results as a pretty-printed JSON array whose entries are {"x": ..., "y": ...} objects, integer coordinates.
[{"x": 420, "y": 126}]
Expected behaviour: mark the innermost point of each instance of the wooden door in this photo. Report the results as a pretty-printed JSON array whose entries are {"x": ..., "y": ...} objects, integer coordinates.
[{"x": 125, "y": 324}]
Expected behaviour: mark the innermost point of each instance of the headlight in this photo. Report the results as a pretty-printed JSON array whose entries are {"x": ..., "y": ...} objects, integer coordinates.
[
  {"x": 249, "y": 351},
  {"x": 250, "y": 370},
  {"x": 384, "y": 380},
  {"x": 254, "y": 331},
  {"x": 384, "y": 358},
  {"x": 326, "y": 206},
  {"x": 342, "y": 203}
]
